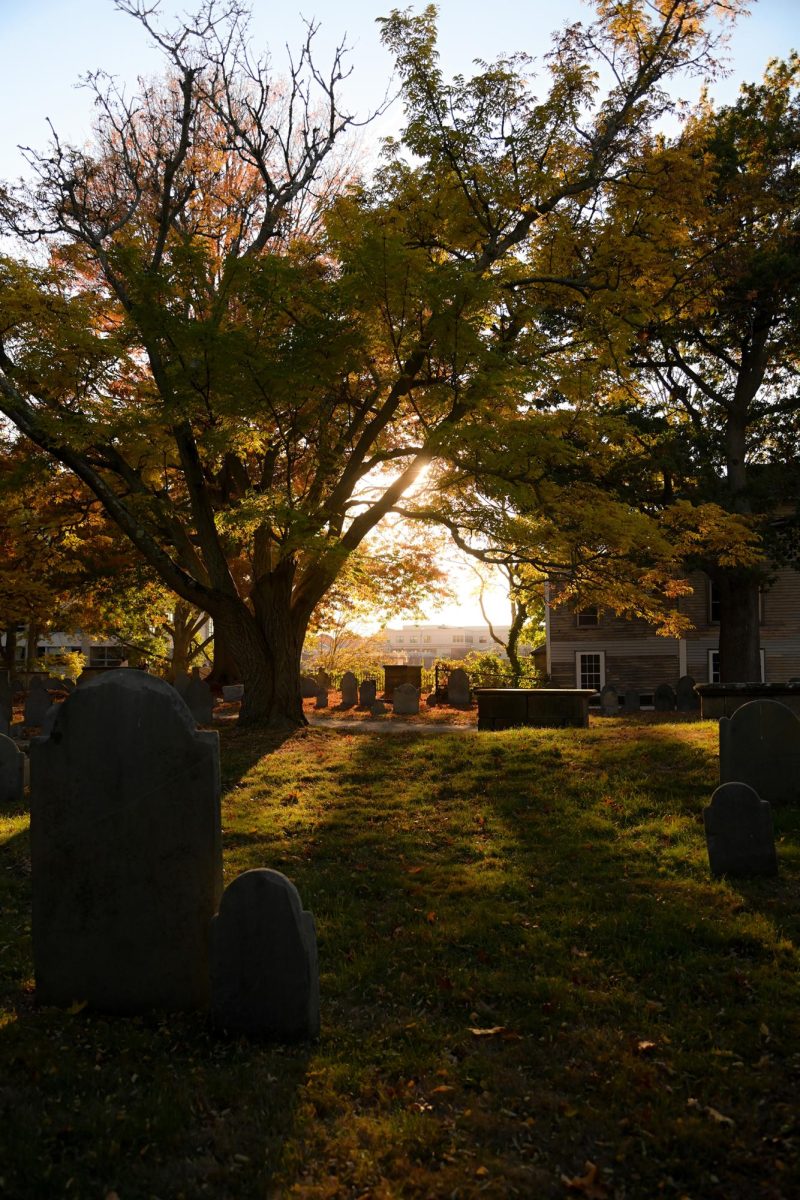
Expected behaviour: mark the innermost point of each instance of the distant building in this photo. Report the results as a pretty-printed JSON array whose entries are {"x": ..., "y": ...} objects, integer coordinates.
[
  {"x": 423, "y": 644},
  {"x": 98, "y": 652}
]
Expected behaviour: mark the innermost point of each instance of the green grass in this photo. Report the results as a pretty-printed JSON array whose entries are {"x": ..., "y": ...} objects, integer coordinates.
[{"x": 525, "y": 967}]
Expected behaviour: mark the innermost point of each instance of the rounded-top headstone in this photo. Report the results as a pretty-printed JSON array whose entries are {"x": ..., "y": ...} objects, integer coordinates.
[{"x": 12, "y": 772}]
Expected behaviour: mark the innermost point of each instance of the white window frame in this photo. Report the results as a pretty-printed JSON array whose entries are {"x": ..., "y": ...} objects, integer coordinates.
[
  {"x": 713, "y": 666},
  {"x": 601, "y": 654}
]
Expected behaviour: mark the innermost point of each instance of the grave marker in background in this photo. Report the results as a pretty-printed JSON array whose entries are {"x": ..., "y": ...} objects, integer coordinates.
[{"x": 739, "y": 836}]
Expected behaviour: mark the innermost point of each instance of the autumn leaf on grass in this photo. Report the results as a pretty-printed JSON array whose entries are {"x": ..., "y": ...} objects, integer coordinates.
[
  {"x": 493, "y": 1031},
  {"x": 589, "y": 1185},
  {"x": 713, "y": 1113},
  {"x": 431, "y": 918}
]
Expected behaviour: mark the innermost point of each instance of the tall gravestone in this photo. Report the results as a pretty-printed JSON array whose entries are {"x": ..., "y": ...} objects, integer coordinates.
[
  {"x": 349, "y": 690},
  {"x": 458, "y": 688},
  {"x": 686, "y": 698},
  {"x": 6, "y": 700},
  {"x": 609, "y": 700},
  {"x": 367, "y": 693},
  {"x": 125, "y": 848},
  {"x": 264, "y": 970},
  {"x": 37, "y": 701},
  {"x": 760, "y": 745},
  {"x": 12, "y": 772},
  {"x": 664, "y": 698},
  {"x": 308, "y": 687},
  {"x": 199, "y": 700},
  {"x": 321, "y": 698},
  {"x": 405, "y": 700},
  {"x": 632, "y": 700},
  {"x": 739, "y": 836},
  {"x": 180, "y": 683}
]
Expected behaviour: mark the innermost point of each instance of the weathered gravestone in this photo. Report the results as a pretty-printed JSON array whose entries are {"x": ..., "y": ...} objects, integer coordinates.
[
  {"x": 609, "y": 700},
  {"x": 406, "y": 700},
  {"x": 6, "y": 700},
  {"x": 180, "y": 683},
  {"x": 233, "y": 691},
  {"x": 458, "y": 688},
  {"x": 264, "y": 969},
  {"x": 739, "y": 836},
  {"x": 125, "y": 849},
  {"x": 37, "y": 701},
  {"x": 760, "y": 745},
  {"x": 199, "y": 700},
  {"x": 323, "y": 679},
  {"x": 367, "y": 693},
  {"x": 321, "y": 698},
  {"x": 349, "y": 690},
  {"x": 686, "y": 698},
  {"x": 664, "y": 698},
  {"x": 12, "y": 772},
  {"x": 631, "y": 700},
  {"x": 308, "y": 687},
  {"x": 5, "y": 727}
]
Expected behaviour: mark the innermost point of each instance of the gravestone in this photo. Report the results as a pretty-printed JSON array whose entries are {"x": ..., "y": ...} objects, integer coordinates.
[
  {"x": 199, "y": 700},
  {"x": 686, "y": 698},
  {"x": 458, "y": 688},
  {"x": 760, "y": 745},
  {"x": 4, "y": 726},
  {"x": 323, "y": 679},
  {"x": 631, "y": 699},
  {"x": 6, "y": 700},
  {"x": 349, "y": 690},
  {"x": 739, "y": 836},
  {"x": 378, "y": 708},
  {"x": 49, "y": 720},
  {"x": 321, "y": 699},
  {"x": 406, "y": 700},
  {"x": 126, "y": 852},
  {"x": 12, "y": 772},
  {"x": 367, "y": 692},
  {"x": 264, "y": 968},
  {"x": 664, "y": 698},
  {"x": 37, "y": 701},
  {"x": 233, "y": 691},
  {"x": 609, "y": 700},
  {"x": 180, "y": 682},
  {"x": 308, "y": 687}
]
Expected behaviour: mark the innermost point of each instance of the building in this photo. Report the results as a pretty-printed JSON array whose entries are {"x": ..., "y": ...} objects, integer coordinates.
[
  {"x": 425, "y": 643},
  {"x": 98, "y": 652},
  {"x": 587, "y": 648}
]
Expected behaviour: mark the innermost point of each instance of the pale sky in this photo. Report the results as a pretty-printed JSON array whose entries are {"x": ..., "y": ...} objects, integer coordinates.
[{"x": 48, "y": 44}]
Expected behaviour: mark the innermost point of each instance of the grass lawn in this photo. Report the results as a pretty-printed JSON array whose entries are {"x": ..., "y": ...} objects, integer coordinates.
[{"x": 530, "y": 987}]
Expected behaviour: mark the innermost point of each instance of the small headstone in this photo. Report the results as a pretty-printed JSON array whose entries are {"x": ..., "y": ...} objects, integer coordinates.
[
  {"x": 308, "y": 687},
  {"x": 458, "y": 688},
  {"x": 180, "y": 682},
  {"x": 739, "y": 836},
  {"x": 431, "y": 700},
  {"x": 126, "y": 856},
  {"x": 4, "y": 725},
  {"x": 12, "y": 772},
  {"x": 760, "y": 745},
  {"x": 631, "y": 700},
  {"x": 686, "y": 698},
  {"x": 37, "y": 702},
  {"x": 321, "y": 698},
  {"x": 406, "y": 700},
  {"x": 367, "y": 693},
  {"x": 264, "y": 968},
  {"x": 6, "y": 699},
  {"x": 349, "y": 690},
  {"x": 378, "y": 708},
  {"x": 323, "y": 678},
  {"x": 200, "y": 700},
  {"x": 232, "y": 691},
  {"x": 609, "y": 701},
  {"x": 664, "y": 698}
]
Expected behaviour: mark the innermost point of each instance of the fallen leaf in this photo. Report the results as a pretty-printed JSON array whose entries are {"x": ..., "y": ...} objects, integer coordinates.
[
  {"x": 485, "y": 1033},
  {"x": 719, "y": 1117},
  {"x": 414, "y": 870},
  {"x": 431, "y": 918},
  {"x": 76, "y": 1007},
  {"x": 589, "y": 1184},
  {"x": 481, "y": 1172},
  {"x": 442, "y": 1089},
  {"x": 643, "y": 1047}
]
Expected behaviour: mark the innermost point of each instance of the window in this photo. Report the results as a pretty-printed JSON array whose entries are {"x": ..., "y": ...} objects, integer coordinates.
[
  {"x": 412, "y": 641},
  {"x": 458, "y": 637},
  {"x": 483, "y": 639},
  {"x": 713, "y": 667},
  {"x": 105, "y": 656},
  {"x": 426, "y": 637},
  {"x": 587, "y": 617},
  {"x": 469, "y": 638},
  {"x": 590, "y": 669},
  {"x": 399, "y": 638}
]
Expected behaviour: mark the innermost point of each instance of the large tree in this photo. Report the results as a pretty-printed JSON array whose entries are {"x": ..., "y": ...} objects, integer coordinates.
[{"x": 229, "y": 373}]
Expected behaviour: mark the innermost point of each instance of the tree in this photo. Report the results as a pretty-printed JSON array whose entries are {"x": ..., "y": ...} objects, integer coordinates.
[{"x": 226, "y": 371}]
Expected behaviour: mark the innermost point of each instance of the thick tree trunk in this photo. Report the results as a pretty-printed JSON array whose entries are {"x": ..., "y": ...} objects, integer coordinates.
[
  {"x": 224, "y": 669},
  {"x": 739, "y": 626}
]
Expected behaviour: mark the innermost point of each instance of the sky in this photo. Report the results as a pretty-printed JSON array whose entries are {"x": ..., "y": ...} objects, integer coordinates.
[{"x": 47, "y": 45}]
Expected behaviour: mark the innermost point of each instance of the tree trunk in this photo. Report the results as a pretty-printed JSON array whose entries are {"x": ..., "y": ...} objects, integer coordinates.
[
  {"x": 266, "y": 649},
  {"x": 224, "y": 669},
  {"x": 739, "y": 626},
  {"x": 519, "y": 615}
]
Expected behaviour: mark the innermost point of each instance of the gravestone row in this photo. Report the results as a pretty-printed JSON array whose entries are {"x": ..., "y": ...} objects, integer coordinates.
[{"x": 128, "y": 909}]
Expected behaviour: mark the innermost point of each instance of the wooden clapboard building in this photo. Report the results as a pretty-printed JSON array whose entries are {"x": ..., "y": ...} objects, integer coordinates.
[{"x": 589, "y": 648}]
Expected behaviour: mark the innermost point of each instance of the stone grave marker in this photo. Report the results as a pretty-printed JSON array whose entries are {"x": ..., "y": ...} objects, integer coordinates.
[
  {"x": 349, "y": 690},
  {"x": 760, "y": 745},
  {"x": 6, "y": 700},
  {"x": 233, "y": 691},
  {"x": 367, "y": 693},
  {"x": 406, "y": 700},
  {"x": 739, "y": 836},
  {"x": 378, "y": 708},
  {"x": 664, "y": 698},
  {"x": 5, "y": 726},
  {"x": 321, "y": 698},
  {"x": 12, "y": 772},
  {"x": 180, "y": 683},
  {"x": 686, "y": 698},
  {"x": 199, "y": 699},
  {"x": 632, "y": 701},
  {"x": 126, "y": 856},
  {"x": 264, "y": 968},
  {"x": 323, "y": 678},
  {"x": 37, "y": 701},
  {"x": 308, "y": 687},
  {"x": 609, "y": 700},
  {"x": 458, "y": 688}
]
